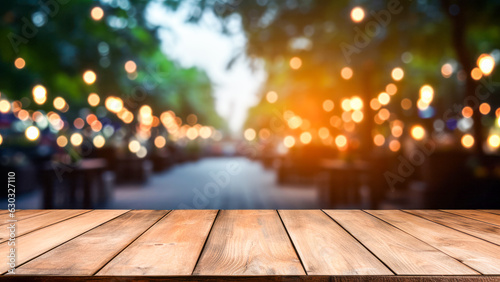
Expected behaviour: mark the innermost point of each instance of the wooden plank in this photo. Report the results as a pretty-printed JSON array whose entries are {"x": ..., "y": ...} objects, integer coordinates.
[
  {"x": 21, "y": 215},
  {"x": 483, "y": 230},
  {"x": 275, "y": 278},
  {"x": 478, "y": 215},
  {"x": 492, "y": 211},
  {"x": 180, "y": 235},
  {"x": 476, "y": 253},
  {"x": 248, "y": 242},
  {"x": 401, "y": 252},
  {"x": 327, "y": 249},
  {"x": 35, "y": 243},
  {"x": 94, "y": 248},
  {"x": 36, "y": 222}
]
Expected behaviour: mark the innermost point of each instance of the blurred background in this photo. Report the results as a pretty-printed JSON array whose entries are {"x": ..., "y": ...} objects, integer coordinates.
[{"x": 231, "y": 104}]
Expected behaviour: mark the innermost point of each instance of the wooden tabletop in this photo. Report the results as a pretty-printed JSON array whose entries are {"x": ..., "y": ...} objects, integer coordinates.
[{"x": 255, "y": 244}]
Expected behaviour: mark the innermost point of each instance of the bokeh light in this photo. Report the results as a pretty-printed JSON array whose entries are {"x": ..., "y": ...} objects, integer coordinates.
[
  {"x": 394, "y": 145},
  {"x": 272, "y": 97},
  {"x": 32, "y": 133},
  {"x": 417, "y": 132},
  {"x": 93, "y": 99},
  {"x": 384, "y": 114},
  {"x": 476, "y": 74},
  {"x": 76, "y": 139},
  {"x": 447, "y": 70},
  {"x": 486, "y": 63},
  {"x": 484, "y": 108},
  {"x": 5, "y": 106},
  {"x": 494, "y": 141},
  {"x": 346, "y": 105},
  {"x": 323, "y": 133},
  {"x": 78, "y": 123},
  {"x": 130, "y": 66},
  {"x": 134, "y": 146},
  {"x": 62, "y": 141},
  {"x": 250, "y": 134},
  {"x": 391, "y": 89},
  {"x": 289, "y": 141},
  {"x": 379, "y": 140},
  {"x": 356, "y": 103},
  {"x": 97, "y": 13},
  {"x": 426, "y": 94},
  {"x": 39, "y": 94},
  {"x": 328, "y": 105},
  {"x": 113, "y": 104},
  {"x": 341, "y": 141},
  {"x": 467, "y": 141},
  {"x": 357, "y": 116},
  {"x": 19, "y": 63},
  {"x": 375, "y": 104},
  {"x": 397, "y": 74},
  {"x": 305, "y": 137},
  {"x": 205, "y": 132},
  {"x": 467, "y": 112},
  {"x": 59, "y": 103},
  {"x": 99, "y": 141},
  {"x": 89, "y": 77},
  {"x": 406, "y": 104},
  {"x": 357, "y": 14},
  {"x": 295, "y": 63},
  {"x": 346, "y": 73},
  {"x": 160, "y": 141},
  {"x": 384, "y": 98}
]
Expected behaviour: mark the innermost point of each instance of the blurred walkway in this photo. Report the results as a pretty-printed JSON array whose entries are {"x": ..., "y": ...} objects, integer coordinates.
[{"x": 214, "y": 183}]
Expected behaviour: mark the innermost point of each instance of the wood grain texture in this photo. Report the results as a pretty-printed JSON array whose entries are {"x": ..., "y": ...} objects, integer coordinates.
[
  {"x": 478, "y": 215},
  {"x": 492, "y": 211},
  {"x": 325, "y": 248},
  {"x": 21, "y": 215},
  {"x": 483, "y": 230},
  {"x": 248, "y": 242},
  {"x": 94, "y": 248},
  {"x": 401, "y": 252},
  {"x": 310, "y": 278},
  {"x": 476, "y": 253},
  {"x": 33, "y": 223},
  {"x": 35, "y": 243},
  {"x": 171, "y": 247}
]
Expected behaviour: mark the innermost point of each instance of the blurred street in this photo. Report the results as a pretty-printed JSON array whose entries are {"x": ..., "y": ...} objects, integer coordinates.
[{"x": 252, "y": 188}]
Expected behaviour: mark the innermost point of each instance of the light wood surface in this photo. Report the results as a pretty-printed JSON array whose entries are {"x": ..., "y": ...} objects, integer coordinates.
[
  {"x": 20, "y": 215},
  {"x": 36, "y": 243},
  {"x": 254, "y": 245},
  {"x": 478, "y": 215},
  {"x": 480, "y": 229},
  {"x": 33, "y": 222},
  {"x": 476, "y": 253},
  {"x": 94, "y": 248},
  {"x": 326, "y": 248},
  {"x": 400, "y": 251},
  {"x": 171, "y": 247},
  {"x": 492, "y": 211},
  {"x": 248, "y": 242}
]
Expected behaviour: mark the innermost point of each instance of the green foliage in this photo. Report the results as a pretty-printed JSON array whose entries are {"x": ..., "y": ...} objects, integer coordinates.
[{"x": 69, "y": 42}]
